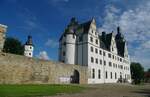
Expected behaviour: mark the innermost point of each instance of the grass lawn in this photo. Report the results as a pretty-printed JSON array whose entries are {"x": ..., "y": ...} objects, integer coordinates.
[{"x": 37, "y": 90}]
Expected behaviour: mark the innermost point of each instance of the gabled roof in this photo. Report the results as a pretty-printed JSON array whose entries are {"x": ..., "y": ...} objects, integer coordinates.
[
  {"x": 120, "y": 48},
  {"x": 86, "y": 26}
]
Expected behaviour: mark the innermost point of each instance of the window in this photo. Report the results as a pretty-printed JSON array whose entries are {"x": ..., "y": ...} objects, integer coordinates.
[
  {"x": 109, "y": 55},
  {"x": 113, "y": 56},
  {"x": 92, "y": 59},
  {"x": 99, "y": 74},
  {"x": 80, "y": 38},
  {"x": 96, "y": 60},
  {"x": 121, "y": 66},
  {"x": 114, "y": 65},
  {"x": 93, "y": 73},
  {"x": 106, "y": 75},
  {"x": 112, "y": 49},
  {"x": 104, "y": 53},
  {"x": 96, "y": 41},
  {"x": 111, "y": 75},
  {"x": 92, "y": 31},
  {"x": 110, "y": 64},
  {"x": 100, "y": 52},
  {"x": 95, "y": 33},
  {"x": 120, "y": 59},
  {"x": 96, "y": 51},
  {"x": 91, "y": 49},
  {"x": 104, "y": 62},
  {"x": 64, "y": 53},
  {"x": 91, "y": 39},
  {"x": 29, "y": 53},
  {"x": 115, "y": 75},
  {"x": 30, "y": 47},
  {"x": 100, "y": 61},
  {"x": 64, "y": 43}
]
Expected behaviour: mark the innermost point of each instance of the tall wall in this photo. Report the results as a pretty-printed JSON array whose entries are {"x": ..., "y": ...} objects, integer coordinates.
[{"x": 16, "y": 69}]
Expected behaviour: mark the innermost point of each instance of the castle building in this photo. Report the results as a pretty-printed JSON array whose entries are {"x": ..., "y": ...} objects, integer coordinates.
[
  {"x": 105, "y": 54},
  {"x": 28, "y": 47},
  {"x": 3, "y": 29}
]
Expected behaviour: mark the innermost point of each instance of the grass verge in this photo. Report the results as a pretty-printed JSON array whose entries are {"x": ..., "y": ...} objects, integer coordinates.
[{"x": 37, "y": 90}]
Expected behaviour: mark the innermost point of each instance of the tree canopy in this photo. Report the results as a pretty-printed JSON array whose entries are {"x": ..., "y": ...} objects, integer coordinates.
[
  {"x": 14, "y": 46},
  {"x": 137, "y": 72}
]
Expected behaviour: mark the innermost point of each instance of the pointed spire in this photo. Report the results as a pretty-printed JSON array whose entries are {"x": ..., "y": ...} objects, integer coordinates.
[
  {"x": 118, "y": 30},
  {"x": 29, "y": 41}
]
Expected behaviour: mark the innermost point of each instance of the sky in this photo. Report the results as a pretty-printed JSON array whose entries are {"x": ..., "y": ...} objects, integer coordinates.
[{"x": 46, "y": 20}]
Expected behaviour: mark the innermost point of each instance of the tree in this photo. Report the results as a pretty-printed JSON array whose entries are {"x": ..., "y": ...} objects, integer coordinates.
[
  {"x": 147, "y": 76},
  {"x": 13, "y": 46},
  {"x": 148, "y": 70},
  {"x": 137, "y": 72}
]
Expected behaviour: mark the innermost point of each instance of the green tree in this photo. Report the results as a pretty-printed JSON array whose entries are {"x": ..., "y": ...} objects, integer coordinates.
[
  {"x": 13, "y": 46},
  {"x": 137, "y": 72},
  {"x": 148, "y": 70}
]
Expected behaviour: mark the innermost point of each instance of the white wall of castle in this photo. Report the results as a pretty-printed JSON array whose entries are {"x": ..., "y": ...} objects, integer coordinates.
[{"x": 81, "y": 54}]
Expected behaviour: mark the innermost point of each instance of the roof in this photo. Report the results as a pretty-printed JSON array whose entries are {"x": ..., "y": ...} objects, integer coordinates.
[
  {"x": 105, "y": 40},
  {"x": 29, "y": 41},
  {"x": 120, "y": 47},
  {"x": 86, "y": 26}
]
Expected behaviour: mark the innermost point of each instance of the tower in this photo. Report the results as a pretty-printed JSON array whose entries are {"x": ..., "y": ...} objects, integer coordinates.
[
  {"x": 68, "y": 43},
  {"x": 3, "y": 29},
  {"x": 28, "y": 47}
]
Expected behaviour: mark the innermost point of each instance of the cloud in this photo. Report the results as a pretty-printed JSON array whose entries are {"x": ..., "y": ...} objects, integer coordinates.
[
  {"x": 52, "y": 43},
  {"x": 134, "y": 24},
  {"x": 43, "y": 55}
]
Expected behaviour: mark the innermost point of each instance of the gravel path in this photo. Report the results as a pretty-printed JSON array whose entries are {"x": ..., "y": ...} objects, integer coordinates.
[{"x": 112, "y": 90}]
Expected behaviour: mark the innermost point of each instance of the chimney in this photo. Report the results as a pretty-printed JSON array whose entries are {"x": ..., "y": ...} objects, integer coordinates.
[{"x": 118, "y": 30}]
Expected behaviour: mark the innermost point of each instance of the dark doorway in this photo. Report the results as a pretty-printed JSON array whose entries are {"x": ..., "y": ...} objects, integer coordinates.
[{"x": 75, "y": 77}]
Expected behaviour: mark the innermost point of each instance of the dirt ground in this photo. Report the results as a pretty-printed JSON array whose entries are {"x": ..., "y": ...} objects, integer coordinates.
[{"x": 112, "y": 90}]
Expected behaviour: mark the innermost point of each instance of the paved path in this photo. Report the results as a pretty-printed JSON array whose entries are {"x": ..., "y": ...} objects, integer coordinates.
[{"x": 112, "y": 90}]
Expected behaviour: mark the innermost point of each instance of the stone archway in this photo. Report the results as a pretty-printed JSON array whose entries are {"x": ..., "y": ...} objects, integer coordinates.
[{"x": 75, "y": 77}]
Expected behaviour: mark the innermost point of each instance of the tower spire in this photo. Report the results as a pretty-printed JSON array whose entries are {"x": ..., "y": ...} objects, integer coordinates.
[{"x": 28, "y": 48}]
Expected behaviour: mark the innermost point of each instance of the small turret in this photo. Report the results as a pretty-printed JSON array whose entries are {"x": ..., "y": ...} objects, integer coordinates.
[
  {"x": 119, "y": 35},
  {"x": 28, "y": 47}
]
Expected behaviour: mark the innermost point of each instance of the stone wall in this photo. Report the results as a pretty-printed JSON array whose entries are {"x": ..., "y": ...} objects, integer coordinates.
[{"x": 16, "y": 69}]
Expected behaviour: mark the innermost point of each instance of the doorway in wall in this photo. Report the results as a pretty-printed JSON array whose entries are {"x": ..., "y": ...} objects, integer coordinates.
[{"x": 75, "y": 77}]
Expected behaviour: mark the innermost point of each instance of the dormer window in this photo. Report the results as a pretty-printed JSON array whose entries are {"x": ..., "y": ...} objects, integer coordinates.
[
  {"x": 95, "y": 33},
  {"x": 91, "y": 39},
  {"x": 112, "y": 49},
  {"x": 96, "y": 41}
]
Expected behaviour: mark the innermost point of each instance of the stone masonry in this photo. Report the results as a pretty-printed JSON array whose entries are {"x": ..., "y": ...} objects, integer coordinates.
[{"x": 16, "y": 69}]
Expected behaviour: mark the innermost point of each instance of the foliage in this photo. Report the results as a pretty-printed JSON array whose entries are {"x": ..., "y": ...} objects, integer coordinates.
[
  {"x": 137, "y": 72},
  {"x": 148, "y": 70},
  {"x": 147, "y": 76},
  {"x": 37, "y": 90},
  {"x": 13, "y": 46}
]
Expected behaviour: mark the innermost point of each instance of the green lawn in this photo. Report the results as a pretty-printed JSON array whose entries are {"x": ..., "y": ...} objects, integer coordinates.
[{"x": 37, "y": 90}]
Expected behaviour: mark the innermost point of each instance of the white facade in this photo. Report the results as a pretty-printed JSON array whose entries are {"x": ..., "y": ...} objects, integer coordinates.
[
  {"x": 84, "y": 46},
  {"x": 28, "y": 48}
]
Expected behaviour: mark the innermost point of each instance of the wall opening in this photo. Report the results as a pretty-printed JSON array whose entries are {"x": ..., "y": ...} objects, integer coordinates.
[{"x": 75, "y": 78}]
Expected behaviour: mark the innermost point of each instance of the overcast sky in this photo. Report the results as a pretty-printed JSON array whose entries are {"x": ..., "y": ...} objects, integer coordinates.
[{"x": 46, "y": 20}]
